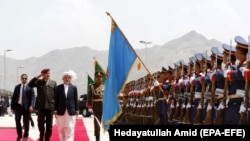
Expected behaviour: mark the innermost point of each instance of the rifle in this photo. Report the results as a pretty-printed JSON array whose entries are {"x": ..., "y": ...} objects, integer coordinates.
[
  {"x": 221, "y": 112},
  {"x": 210, "y": 112},
  {"x": 177, "y": 107},
  {"x": 244, "y": 114},
  {"x": 188, "y": 116},
  {"x": 209, "y": 115},
  {"x": 179, "y": 101},
  {"x": 173, "y": 97},
  {"x": 183, "y": 108},
  {"x": 198, "y": 119}
]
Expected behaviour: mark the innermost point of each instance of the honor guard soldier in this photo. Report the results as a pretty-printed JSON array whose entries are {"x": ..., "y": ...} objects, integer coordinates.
[
  {"x": 208, "y": 97},
  {"x": 174, "y": 85},
  {"x": 154, "y": 90},
  {"x": 199, "y": 90},
  {"x": 162, "y": 107},
  {"x": 188, "y": 119},
  {"x": 237, "y": 83},
  {"x": 184, "y": 89},
  {"x": 216, "y": 60},
  {"x": 146, "y": 104},
  {"x": 171, "y": 100},
  {"x": 136, "y": 102},
  {"x": 130, "y": 102},
  {"x": 178, "y": 92},
  {"x": 222, "y": 84}
]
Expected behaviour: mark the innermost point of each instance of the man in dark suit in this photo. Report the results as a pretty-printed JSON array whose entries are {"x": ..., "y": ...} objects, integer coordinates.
[
  {"x": 44, "y": 102},
  {"x": 22, "y": 103},
  {"x": 66, "y": 106}
]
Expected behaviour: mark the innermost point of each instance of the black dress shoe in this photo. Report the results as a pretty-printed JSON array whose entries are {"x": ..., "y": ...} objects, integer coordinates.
[
  {"x": 25, "y": 139},
  {"x": 18, "y": 138}
]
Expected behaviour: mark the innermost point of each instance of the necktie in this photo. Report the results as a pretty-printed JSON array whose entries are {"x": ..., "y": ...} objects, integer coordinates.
[{"x": 21, "y": 95}]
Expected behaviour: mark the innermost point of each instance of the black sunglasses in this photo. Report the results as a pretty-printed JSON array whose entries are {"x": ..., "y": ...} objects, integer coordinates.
[{"x": 24, "y": 78}]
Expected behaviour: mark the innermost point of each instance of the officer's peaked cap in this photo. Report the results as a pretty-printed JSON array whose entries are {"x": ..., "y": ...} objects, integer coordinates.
[
  {"x": 228, "y": 49},
  {"x": 216, "y": 52},
  {"x": 198, "y": 56},
  {"x": 241, "y": 42}
]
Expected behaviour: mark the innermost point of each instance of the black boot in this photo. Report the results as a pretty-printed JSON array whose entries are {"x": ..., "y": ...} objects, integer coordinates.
[{"x": 97, "y": 138}]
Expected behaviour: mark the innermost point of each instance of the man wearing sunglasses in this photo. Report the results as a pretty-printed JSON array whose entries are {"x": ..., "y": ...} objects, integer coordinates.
[{"x": 22, "y": 104}]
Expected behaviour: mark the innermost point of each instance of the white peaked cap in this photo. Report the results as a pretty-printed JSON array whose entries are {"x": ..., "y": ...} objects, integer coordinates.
[{"x": 71, "y": 73}]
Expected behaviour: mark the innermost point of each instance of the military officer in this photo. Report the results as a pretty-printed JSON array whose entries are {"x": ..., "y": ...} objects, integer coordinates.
[{"x": 94, "y": 101}]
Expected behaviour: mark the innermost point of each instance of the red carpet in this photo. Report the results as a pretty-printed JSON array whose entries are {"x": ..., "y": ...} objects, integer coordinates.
[
  {"x": 9, "y": 134},
  {"x": 80, "y": 132}
]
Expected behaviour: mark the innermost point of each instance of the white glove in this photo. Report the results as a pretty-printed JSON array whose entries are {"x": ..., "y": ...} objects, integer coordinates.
[
  {"x": 242, "y": 108},
  {"x": 90, "y": 110},
  {"x": 156, "y": 83},
  {"x": 221, "y": 106},
  {"x": 242, "y": 70},
  {"x": 225, "y": 73}
]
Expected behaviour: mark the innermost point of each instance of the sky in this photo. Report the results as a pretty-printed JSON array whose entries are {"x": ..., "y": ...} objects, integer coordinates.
[{"x": 32, "y": 28}]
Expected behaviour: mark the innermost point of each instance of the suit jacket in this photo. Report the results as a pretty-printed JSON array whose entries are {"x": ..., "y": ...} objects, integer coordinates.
[
  {"x": 45, "y": 93},
  {"x": 28, "y": 97},
  {"x": 71, "y": 102}
]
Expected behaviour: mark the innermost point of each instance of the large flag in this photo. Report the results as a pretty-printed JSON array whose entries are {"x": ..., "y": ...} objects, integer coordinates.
[
  {"x": 98, "y": 67},
  {"x": 120, "y": 59}
]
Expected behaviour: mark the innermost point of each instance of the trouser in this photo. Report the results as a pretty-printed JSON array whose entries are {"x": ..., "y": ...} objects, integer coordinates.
[
  {"x": 19, "y": 112},
  {"x": 232, "y": 111},
  {"x": 163, "y": 119},
  {"x": 45, "y": 117}
]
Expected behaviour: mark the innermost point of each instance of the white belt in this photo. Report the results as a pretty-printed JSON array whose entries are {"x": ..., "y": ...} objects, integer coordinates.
[
  {"x": 187, "y": 94},
  {"x": 150, "y": 98},
  {"x": 197, "y": 95},
  {"x": 207, "y": 93},
  {"x": 219, "y": 91},
  {"x": 240, "y": 93}
]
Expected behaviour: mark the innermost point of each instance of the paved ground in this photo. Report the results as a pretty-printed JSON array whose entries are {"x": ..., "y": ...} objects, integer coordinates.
[{"x": 9, "y": 122}]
